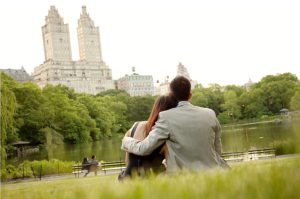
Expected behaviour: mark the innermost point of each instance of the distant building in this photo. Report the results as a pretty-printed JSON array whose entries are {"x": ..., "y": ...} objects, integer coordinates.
[
  {"x": 164, "y": 87},
  {"x": 88, "y": 75},
  {"x": 248, "y": 84},
  {"x": 182, "y": 71},
  {"x": 137, "y": 85},
  {"x": 20, "y": 75}
]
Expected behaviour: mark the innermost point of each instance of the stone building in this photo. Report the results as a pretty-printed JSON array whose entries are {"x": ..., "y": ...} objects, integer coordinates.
[
  {"x": 163, "y": 87},
  {"x": 182, "y": 71},
  {"x": 20, "y": 75},
  {"x": 90, "y": 74},
  {"x": 137, "y": 85}
]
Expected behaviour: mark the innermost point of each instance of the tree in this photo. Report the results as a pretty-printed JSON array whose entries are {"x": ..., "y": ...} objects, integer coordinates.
[
  {"x": 252, "y": 104},
  {"x": 139, "y": 108},
  {"x": 98, "y": 110},
  {"x": 8, "y": 109},
  {"x": 295, "y": 101},
  {"x": 65, "y": 111},
  {"x": 29, "y": 113},
  {"x": 239, "y": 90},
  {"x": 231, "y": 106},
  {"x": 277, "y": 91},
  {"x": 73, "y": 128},
  {"x": 198, "y": 96},
  {"x": 215, "y": 97}
]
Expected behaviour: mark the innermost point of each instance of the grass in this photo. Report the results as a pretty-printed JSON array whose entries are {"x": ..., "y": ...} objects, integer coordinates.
[{"x": 277, "y": 178}]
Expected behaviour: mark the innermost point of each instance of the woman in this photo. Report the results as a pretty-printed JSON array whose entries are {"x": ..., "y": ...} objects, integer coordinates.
[{"x": 140, "y": 130}]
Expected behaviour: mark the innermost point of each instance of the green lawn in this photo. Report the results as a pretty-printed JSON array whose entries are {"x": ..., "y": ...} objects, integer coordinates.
[{"x": 277, "y": 178}]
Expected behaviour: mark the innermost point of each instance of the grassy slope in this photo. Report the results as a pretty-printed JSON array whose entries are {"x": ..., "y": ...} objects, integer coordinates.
[{"x": 278, "y": 178}]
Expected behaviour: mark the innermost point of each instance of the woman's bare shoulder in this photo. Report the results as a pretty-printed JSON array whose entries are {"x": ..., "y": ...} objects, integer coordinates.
[{"x": 142, "y": 123}]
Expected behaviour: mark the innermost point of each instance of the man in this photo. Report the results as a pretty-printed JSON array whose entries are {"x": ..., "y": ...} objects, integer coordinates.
[{"x": 192, "y": 134}]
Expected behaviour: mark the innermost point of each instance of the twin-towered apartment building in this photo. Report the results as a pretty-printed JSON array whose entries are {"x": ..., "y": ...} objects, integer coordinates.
[{"x": 90, "y": 74}]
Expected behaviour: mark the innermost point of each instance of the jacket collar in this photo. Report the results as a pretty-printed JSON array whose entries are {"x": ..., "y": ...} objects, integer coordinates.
[{"x": 183, "y": 103}]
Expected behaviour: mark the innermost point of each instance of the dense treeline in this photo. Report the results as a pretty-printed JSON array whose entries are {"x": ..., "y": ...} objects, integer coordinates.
[
  {"x": 56, "y": 113},
  {"x": 265, "y": 98}
]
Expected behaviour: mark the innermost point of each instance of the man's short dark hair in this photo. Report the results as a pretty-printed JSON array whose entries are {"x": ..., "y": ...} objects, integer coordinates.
[{"x": 180, "y": 88}]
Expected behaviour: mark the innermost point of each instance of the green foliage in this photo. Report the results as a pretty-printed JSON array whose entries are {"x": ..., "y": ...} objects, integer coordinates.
[
  {"x": 295, "y": 101},
  {"x": 238, "y": 90},
  {"x": 211, "y": 97},
  {"x": 29, "y": 169},
  {"x": 113, "y": 92},
  {"x": 139, "y": 108},
  {"x": 8, "y": 109},
  {"x": 198, "y": 96},
  {"x": 224, "y": 118},
  {"x": 231, "y": 106},
  {"x": 29, "y": 113},
  {"x": 268, "y": 96},
  {"x": 277, "y": 91},
  {"x": 286, "y": 147}
]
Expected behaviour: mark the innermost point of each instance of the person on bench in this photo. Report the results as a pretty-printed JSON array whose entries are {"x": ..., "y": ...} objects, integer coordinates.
[
  {"x": 85, "y": 164},
  {"x": 92, "y": 166}
]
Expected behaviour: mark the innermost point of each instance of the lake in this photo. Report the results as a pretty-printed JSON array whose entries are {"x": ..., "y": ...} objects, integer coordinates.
[{"x": 235, "y": 138}]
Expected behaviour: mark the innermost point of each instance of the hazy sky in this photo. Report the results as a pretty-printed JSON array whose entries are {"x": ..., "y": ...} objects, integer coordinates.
[{"x": 225, "y": 42}]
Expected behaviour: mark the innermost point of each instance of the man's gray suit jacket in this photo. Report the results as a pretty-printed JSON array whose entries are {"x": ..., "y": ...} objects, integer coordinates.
[{"x": 192, "y": 135}]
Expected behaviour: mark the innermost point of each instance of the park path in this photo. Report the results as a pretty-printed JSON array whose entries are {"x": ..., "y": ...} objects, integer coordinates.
[{"x": 101, "y": 173}]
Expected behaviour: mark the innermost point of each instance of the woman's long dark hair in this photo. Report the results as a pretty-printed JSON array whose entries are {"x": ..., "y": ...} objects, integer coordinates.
[{"x": 161, "y": 103}]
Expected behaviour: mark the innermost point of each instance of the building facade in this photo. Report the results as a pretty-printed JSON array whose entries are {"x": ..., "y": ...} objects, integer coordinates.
[
  {"x": 182, "y": 71},
  {"x": 137, "y": 85},
  {"x": 90, "y": 74},
  {"x": 20, "y": 75},
  {"x": 164, "y": 87}
]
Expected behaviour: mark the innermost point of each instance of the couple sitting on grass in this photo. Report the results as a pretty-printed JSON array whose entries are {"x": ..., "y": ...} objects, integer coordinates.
[{"x": 177, "y": 135}]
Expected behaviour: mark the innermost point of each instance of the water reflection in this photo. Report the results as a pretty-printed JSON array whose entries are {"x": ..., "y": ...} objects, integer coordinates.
[{"x": 258, "y": 136}]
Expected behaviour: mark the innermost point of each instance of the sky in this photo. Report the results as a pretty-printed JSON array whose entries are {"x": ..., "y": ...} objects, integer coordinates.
[{"x": 219, "y": 41}]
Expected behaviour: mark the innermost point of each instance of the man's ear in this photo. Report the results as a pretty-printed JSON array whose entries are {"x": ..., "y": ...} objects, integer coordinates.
[
  {"x": 190, "y": 95},
  {"x": 171, "y": 94}
]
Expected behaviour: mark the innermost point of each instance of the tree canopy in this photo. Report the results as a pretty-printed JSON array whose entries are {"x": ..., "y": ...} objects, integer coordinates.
[{"x": 33, "y": 114}]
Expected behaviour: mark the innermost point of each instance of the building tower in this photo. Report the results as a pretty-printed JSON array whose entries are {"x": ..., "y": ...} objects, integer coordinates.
[
  {"x": 88, "y": 38},
  {"x": 182, "y": 71},
  {"x": 56, "y": 37}
]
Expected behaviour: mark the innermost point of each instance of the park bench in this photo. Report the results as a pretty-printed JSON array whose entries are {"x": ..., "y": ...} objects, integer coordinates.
[
  {"x": 79, "y": 168},
  {"x": 105, "y": 167},
  {"x": 111, "y": 166},
  {"x": 262, "y": 153},
  {"x": 249, "y": 155}
]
